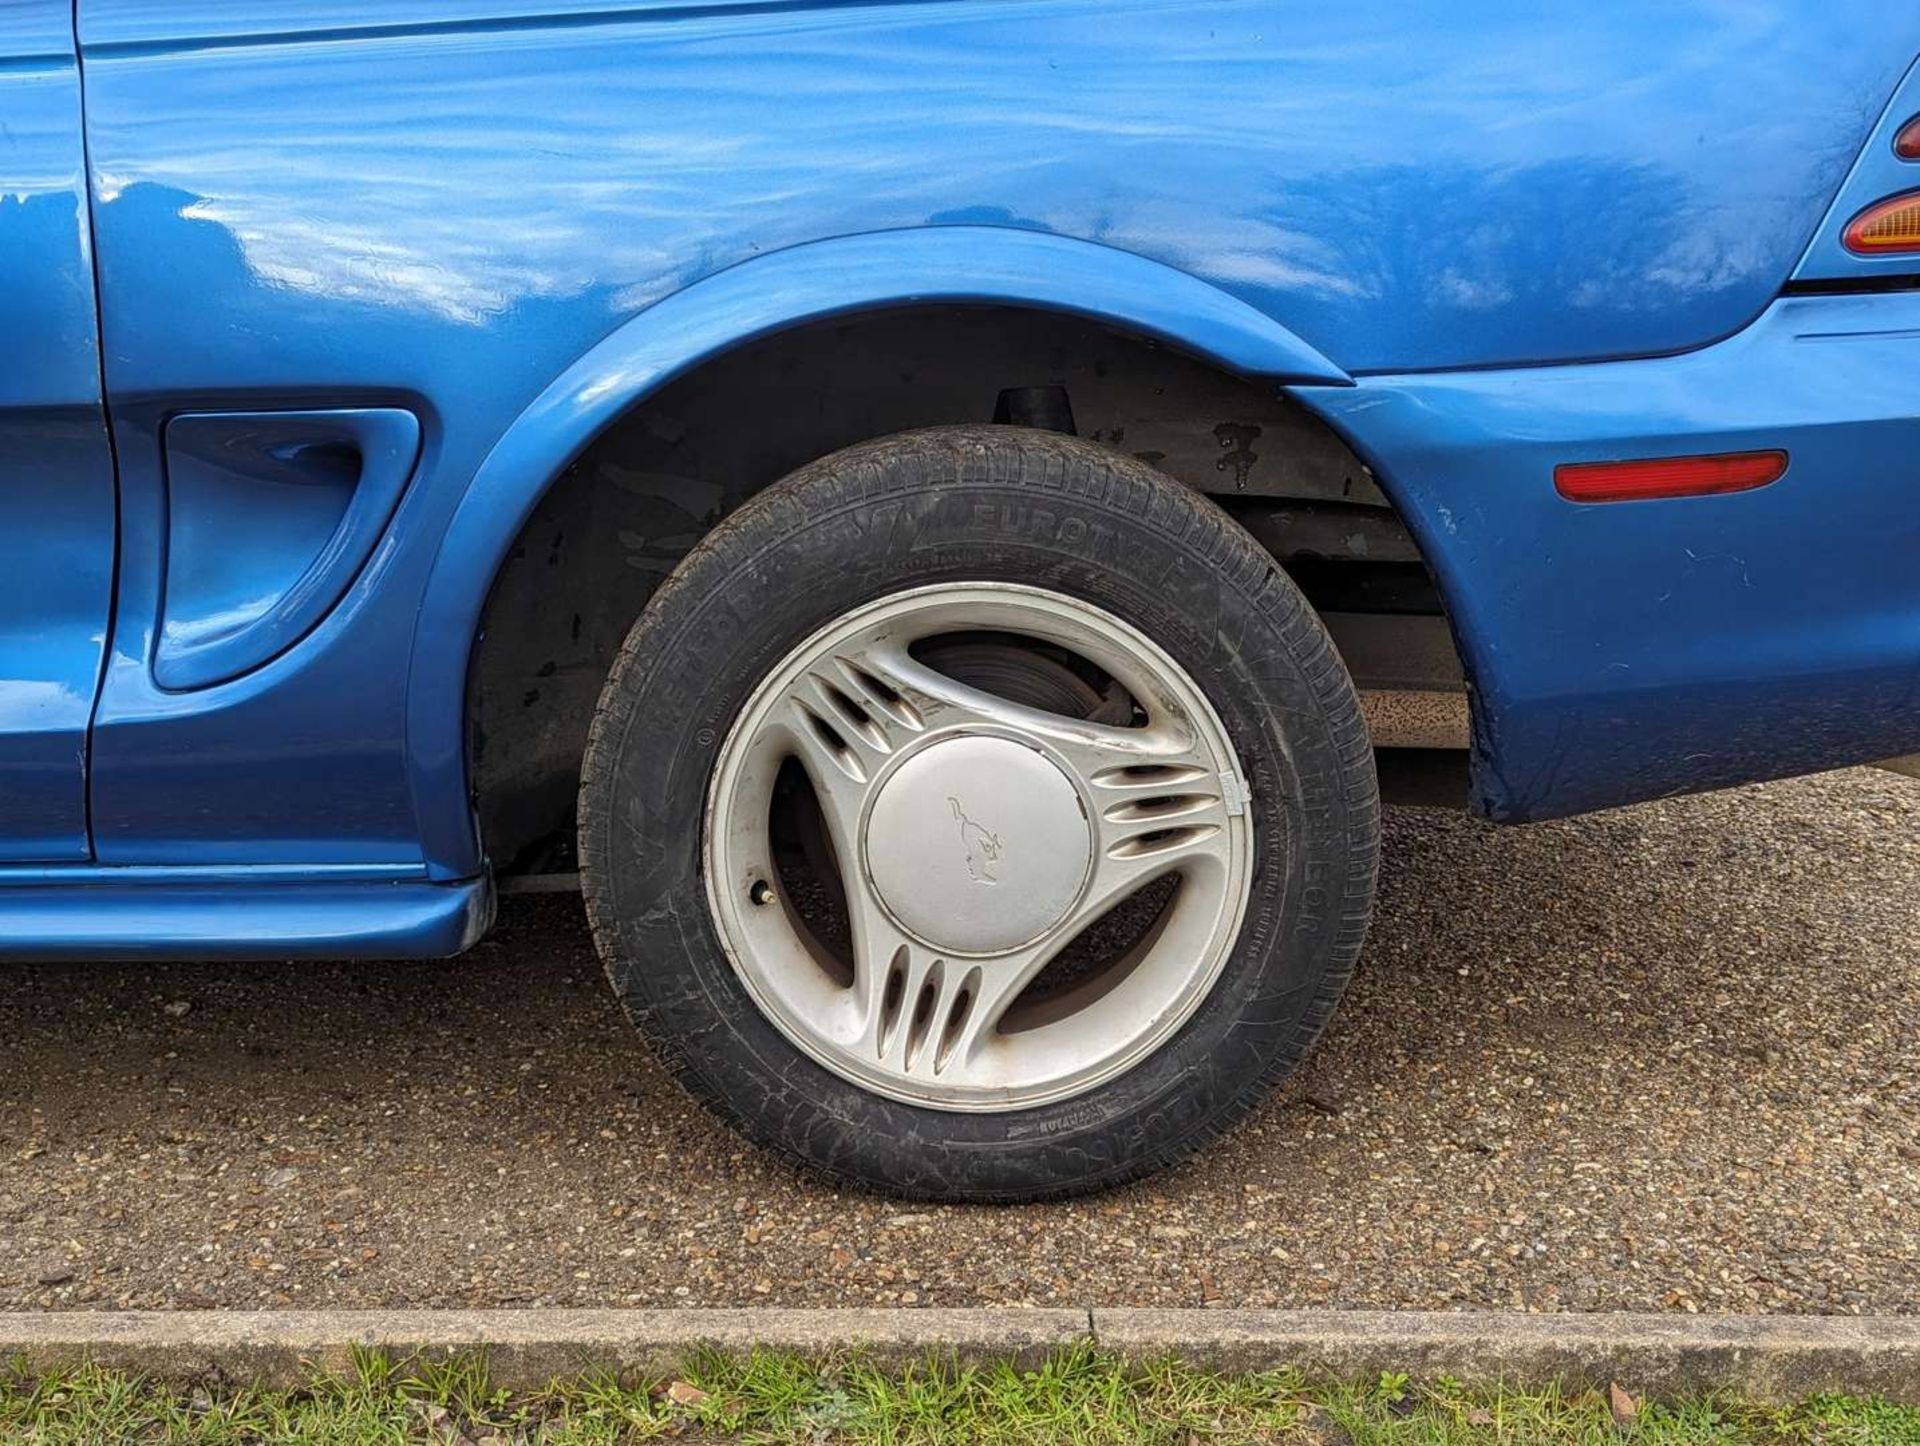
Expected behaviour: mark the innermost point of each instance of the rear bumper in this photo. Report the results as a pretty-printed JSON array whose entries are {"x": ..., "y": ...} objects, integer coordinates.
[{"x": 1628, "y": 651}]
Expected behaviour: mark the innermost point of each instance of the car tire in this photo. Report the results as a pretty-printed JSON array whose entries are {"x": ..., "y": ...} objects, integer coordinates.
[{"x": 947, "y": 673}]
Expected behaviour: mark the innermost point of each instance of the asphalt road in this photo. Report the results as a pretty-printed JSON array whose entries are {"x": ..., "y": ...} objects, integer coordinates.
[{"x": 1664, "y": 1058}]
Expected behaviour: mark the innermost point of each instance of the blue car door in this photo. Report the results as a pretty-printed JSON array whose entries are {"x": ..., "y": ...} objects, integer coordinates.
[{"x": 56, "y": 467}]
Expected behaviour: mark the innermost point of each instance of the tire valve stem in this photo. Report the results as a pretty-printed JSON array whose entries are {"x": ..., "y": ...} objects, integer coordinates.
[{"x": 761, "y": 892}]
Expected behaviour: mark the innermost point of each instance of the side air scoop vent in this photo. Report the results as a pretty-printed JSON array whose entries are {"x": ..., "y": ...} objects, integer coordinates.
[{"x": 270, "y": 517}]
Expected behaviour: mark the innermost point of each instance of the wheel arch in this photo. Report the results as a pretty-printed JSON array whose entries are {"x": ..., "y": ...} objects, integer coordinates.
[{"x": 784, "y": 289}]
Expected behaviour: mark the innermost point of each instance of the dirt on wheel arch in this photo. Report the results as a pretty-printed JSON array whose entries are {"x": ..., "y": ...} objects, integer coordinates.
[{"x": 1662, "y": 1058}]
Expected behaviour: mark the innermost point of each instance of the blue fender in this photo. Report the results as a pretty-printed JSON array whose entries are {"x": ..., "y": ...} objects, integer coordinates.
[{"x": 947, "y": 264}]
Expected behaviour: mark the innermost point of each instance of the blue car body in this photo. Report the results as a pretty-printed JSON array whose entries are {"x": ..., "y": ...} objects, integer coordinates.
[{"x": 460, "y": 238}]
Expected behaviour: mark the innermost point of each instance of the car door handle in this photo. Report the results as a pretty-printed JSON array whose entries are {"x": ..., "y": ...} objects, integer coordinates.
[{"x": 270, "y": 517}]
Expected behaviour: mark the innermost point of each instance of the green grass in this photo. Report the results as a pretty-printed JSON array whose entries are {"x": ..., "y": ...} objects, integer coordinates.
[{"x": 1079, "y": 1396}]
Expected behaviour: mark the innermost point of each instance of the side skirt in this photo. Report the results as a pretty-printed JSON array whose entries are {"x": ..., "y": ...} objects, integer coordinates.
[{"x": 168, "y": 913}]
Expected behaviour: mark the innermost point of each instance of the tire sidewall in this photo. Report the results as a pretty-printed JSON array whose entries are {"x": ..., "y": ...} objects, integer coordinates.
[{"x": 975, "y": 505}]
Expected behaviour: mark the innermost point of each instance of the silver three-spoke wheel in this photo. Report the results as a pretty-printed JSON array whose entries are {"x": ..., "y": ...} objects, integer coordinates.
[{"x": 994, "y": 770}]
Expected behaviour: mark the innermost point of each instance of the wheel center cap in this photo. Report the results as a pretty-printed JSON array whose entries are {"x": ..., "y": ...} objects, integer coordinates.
[{"x": 978, "y": 845}]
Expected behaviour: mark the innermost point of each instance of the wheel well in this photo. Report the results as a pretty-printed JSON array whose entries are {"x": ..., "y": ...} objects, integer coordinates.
[{"x": 624, "y": 513}]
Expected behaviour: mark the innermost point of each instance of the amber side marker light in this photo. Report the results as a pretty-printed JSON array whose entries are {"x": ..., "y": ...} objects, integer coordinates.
[
  {"x": 1667, "y": 476},
  {"x": 1886, "y": 228},
  {"x": 1906, "y": 145}
]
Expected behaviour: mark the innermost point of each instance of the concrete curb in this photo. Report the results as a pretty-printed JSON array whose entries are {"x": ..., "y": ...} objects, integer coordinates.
[
  {"x": 1773, "y": 1359},
  {"x": 524, "y": 1348},
  {"x": 1762, "y": 1358}
]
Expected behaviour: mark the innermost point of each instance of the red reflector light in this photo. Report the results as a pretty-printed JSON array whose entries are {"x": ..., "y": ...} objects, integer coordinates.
[
  {"x": 1906, "y": 145},
  {"x": 1886, "y": 228},
  {"x": 1667, "y": 476}
]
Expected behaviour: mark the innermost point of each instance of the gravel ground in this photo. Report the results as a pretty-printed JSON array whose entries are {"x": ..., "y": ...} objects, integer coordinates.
[{"x": 1663, "y": 1058}]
